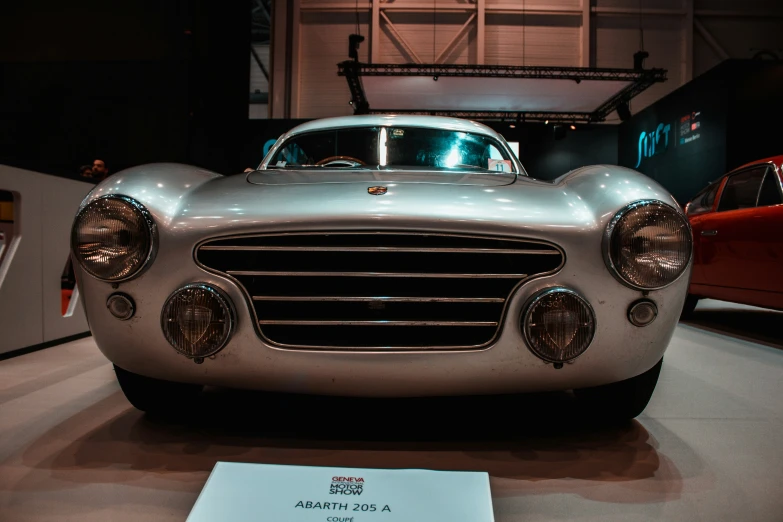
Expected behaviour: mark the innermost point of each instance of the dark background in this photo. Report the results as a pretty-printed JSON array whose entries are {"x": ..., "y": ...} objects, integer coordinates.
[
  {"x": 150, "y": 81},
  {"x": 131, "y": 82},
  {"x": 741, "y": 110}
]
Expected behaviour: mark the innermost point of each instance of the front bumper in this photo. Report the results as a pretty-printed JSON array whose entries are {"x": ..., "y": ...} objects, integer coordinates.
[{"x": 619, "y": 350}]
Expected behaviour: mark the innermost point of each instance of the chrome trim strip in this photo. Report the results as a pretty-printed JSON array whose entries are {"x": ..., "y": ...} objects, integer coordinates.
[
  {"x": 380, "y": 249},
  {"x": 374, "y": 274},
  {"x": 294, "y": 322},
  {"x": 353, "y": 299},
  {"x": 375, "y": 349}
]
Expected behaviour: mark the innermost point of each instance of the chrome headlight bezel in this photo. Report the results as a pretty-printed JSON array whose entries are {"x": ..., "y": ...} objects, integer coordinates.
[
  {"x": 221, "y": 298},
  {"x": 609, "y": 235},
  {"x": 150, "y": 226}
]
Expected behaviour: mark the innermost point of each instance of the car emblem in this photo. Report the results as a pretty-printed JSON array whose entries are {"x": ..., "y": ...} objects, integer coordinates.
[{"x": 377, "y": 191}]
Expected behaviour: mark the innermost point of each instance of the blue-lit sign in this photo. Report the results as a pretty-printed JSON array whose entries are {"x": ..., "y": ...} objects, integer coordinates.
[{"x": 650, "y": 142}]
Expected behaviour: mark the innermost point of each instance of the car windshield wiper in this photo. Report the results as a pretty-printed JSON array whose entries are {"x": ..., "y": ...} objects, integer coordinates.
[{"x": 472, "y": 167}]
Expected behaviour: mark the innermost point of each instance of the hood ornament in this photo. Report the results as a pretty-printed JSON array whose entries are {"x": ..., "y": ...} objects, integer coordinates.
[{"x": 377, "y": 191}]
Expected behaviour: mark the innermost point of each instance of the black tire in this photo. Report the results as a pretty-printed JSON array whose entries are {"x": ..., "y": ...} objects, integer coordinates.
[
  {"x": 154, "y": 395},
  {"x": 620, "y": 401},
  {"x": 690, "y": 305}
]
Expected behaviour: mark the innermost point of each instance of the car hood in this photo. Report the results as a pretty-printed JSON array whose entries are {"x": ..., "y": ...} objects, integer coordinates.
[
  {"x": 319, "y": 176},
  {"x": 193, "y": 204}
]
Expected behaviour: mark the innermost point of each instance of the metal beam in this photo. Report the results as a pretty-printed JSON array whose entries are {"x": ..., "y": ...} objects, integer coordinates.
[
  {"x": 585, "y": 47},
  {"x": 350, "y": 70},
  {"x": 508, "y": 71},
  {"x": 638, "y": 81},
  {"x": 259, "y": 62},
  {"x": 406, "y": 48},
  {"x": 375, "y": 32},
  {"x": 539, "y": 9},
  {"x": 711, "y": 41},
  {"x": 686, "y": 74},
  {"x": 510, "y": 116},
  {"x": 457, "y": 37},
  {"x": 633, "y": 11},
  {"x": 425, "y": 7},
  {"x": 480, "y": 25},
  {"x": 278, "y": 87},
  {"x": 296, "y": 59}
]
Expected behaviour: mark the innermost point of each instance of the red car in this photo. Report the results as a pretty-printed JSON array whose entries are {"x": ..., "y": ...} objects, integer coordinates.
[{"x": 737, "y": 226}]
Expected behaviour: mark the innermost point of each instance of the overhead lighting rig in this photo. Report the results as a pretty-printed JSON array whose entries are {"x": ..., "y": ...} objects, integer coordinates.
[{"x": 631, "y": 83}]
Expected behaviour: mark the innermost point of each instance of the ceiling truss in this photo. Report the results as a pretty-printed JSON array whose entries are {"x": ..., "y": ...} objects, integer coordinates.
[{"x": 638, "y": 80}]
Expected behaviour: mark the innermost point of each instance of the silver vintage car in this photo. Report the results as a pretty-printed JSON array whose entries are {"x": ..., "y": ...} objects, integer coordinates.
[{"x": 384, "y": 256}]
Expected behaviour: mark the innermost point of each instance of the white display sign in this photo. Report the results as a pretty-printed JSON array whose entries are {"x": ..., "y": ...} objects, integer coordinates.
[{"x": 238, "y": 492}]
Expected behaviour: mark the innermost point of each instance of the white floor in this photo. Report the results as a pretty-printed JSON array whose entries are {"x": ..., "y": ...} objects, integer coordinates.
[{"x": 708, "y": 447}]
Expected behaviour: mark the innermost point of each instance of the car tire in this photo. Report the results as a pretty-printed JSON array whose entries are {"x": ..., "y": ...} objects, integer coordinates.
[
  {"x": 620, "y": 401},
  {"x": 155, "y": 395},
  {"x": 690, "y": 305}
]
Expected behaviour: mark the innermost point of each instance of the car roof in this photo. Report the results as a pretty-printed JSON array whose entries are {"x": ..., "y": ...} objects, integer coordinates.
[
  {"x": 401, "y": 120},
  {"x": 777, "y": 160}
]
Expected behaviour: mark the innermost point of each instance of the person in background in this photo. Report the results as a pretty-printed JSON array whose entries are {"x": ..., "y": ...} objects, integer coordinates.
[
  {"x": 99, "y": 170},
  {"x": 85, "y": 171}
]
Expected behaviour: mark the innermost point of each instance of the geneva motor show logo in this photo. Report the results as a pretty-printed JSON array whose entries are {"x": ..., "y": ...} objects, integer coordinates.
[{"x": 346, "y": 486}]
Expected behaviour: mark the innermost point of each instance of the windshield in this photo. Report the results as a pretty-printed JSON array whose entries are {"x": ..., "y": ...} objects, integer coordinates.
[{"x": 362, "y": 147}]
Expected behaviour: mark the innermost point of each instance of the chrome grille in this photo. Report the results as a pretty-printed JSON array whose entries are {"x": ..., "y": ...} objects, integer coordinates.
[{"x": 378, "y": 291}]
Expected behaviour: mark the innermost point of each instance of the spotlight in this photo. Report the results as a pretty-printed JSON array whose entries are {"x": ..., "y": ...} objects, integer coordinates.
[
  {"x": 512, "y": 126},
  {"x": 546, "y": 122},
  {"x": 638, "y": 59},
  {"x": 353, "y": 46},
  {"x": 435, "y": 78},
  {"x": 572, "y": 127},
  {"x": 624, "y": 111}
]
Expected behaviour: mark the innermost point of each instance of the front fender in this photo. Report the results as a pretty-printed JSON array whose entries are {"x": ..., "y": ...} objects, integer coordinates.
[{"x": 160, "y": 187}]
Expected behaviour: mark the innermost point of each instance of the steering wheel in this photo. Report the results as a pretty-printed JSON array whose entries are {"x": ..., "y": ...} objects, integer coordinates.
[{"x": 349, "y": 161}]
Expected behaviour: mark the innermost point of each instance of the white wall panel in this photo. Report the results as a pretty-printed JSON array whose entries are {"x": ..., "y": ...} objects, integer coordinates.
[
  {"x": 428, "y": 34},
  {"x": 537, "y": 3},
  {"x": 323, "y": 44},
  {"x": 545, "y": 40},
  {"x": 30, "y": 303},
  {"x": 617, "y": 39},
  {"x": 636, "y": 4}
]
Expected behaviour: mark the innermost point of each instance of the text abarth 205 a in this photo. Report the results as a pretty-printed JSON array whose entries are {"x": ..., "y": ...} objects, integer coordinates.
[{"x": 384, "y": 256}]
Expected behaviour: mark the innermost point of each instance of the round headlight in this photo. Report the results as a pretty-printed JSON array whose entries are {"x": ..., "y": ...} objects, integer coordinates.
[
  {"x": 197, "y": 320},
  {"x": 558, "y": 325},
  {"x": 648, "y": 245},
  {"x": 113, "y": 238}
]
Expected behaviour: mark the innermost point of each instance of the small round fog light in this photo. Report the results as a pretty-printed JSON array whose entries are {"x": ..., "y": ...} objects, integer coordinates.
[
  {"x": 558, "y": 325},
  {"x": 197, "y": 320},
  {"x": 642, "y": 313},
  {"x": 121, "y": 306}
]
